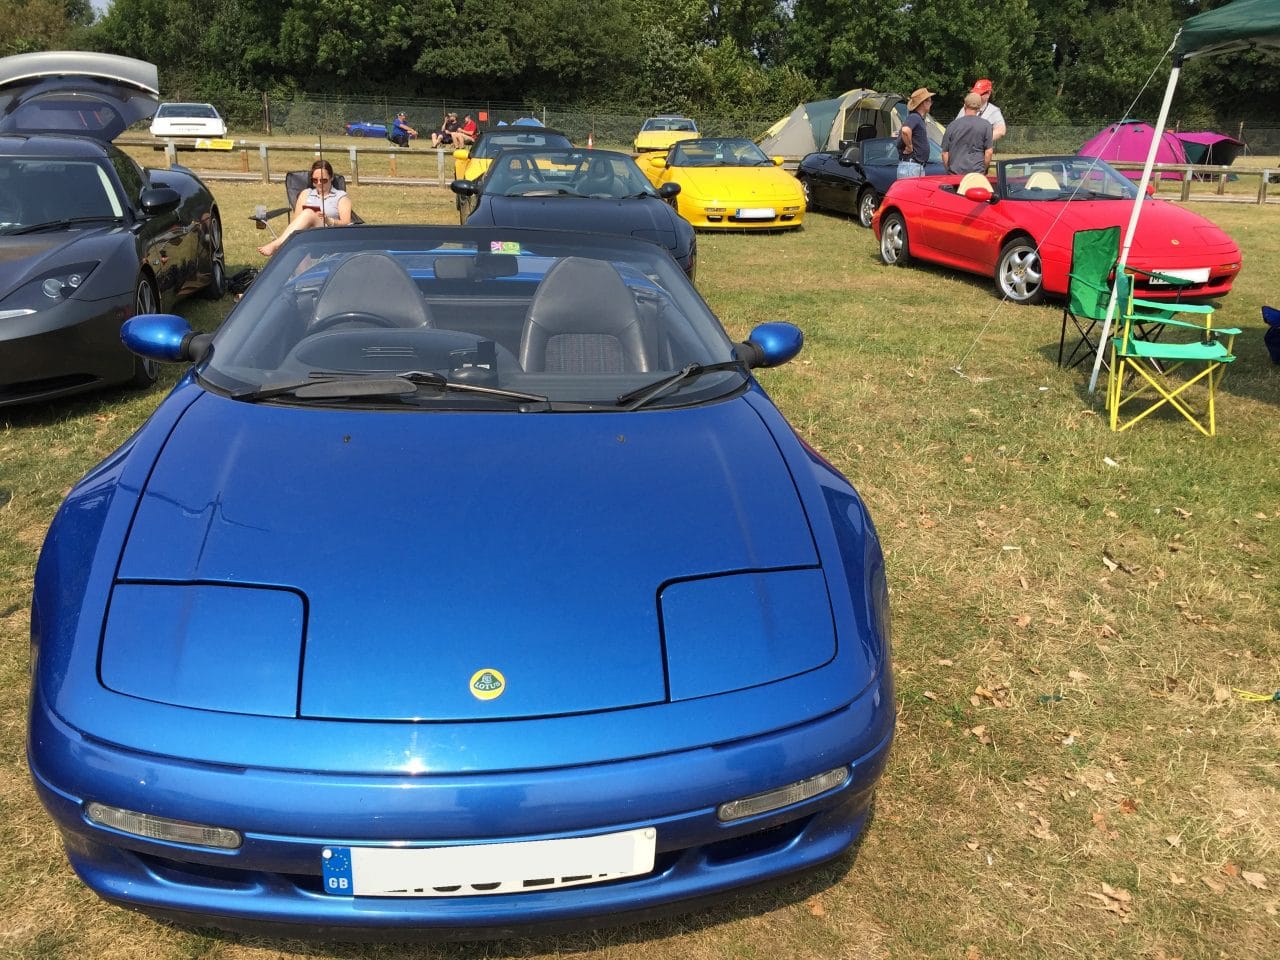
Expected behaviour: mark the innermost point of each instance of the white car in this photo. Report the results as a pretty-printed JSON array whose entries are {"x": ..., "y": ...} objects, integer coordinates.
[{"x": 187, "y": 120}]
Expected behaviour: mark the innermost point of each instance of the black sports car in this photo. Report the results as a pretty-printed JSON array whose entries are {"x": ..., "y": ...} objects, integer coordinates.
[
  {"x": 854, "y": 181},
  {"x": 88, "y": 238},
  {"x": 572, "y": 189}
]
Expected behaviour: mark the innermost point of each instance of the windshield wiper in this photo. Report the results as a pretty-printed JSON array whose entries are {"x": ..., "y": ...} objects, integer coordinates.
[
  {"x": 63, "y": 223},
  {"x": 438, "y": 381},
  {"x": 635, "y": 399},
  {"x": 399, "y": 385}
]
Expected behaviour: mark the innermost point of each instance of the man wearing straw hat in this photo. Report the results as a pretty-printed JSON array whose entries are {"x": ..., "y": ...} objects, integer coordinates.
[{"x": 913, "y": 139}]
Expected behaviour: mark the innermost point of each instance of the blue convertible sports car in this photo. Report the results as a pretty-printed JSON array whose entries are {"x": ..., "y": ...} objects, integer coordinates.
[
  {"x": 571, "y": 189},
  {"x": 512, "y": 602}
]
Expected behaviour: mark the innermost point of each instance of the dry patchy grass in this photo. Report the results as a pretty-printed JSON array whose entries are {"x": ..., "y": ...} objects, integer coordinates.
[{"x": 1073, "y": 774}]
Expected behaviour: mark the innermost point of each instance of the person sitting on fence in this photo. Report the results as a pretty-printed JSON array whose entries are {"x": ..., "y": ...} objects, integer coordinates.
[
  {"x": 318, "y": 206},
  {"x": 401, "y": 131},
  {"x": 444, "y": 136}
]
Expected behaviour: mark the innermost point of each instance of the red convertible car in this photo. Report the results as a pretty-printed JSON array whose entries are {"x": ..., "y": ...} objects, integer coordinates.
[{"x": 1019, "y": 229}]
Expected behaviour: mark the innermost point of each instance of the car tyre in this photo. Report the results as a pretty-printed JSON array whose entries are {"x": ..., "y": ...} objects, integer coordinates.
[
  {"x": 145, "y": 300},
  {"x": 216, "y": 288},
  {"x": 808, "y": 194},
  {"x": 1019, "y": 272},
  {"x": 868, "y": 200},
  {"x": 895, "y": 250}
]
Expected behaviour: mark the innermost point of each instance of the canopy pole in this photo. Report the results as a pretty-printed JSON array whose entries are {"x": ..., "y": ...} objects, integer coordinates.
[{"x": 1137, "y": 209}]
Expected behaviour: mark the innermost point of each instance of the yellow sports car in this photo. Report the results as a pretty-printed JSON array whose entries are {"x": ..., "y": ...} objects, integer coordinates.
[
  {"x": 470, "y": 163},
  {"x": 728, "y": 183},
  {"x": 659, "y": 133}
]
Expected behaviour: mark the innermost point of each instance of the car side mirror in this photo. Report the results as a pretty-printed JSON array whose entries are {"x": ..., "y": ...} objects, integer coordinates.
[
  {"x": 779, "y": 161},
  {"x": 462, "y": 153},
  {"x": 1151, "y": 188},
  {"x": 770, "y": 345},
  {"x": 157, "y": 200},
  {"x": 165, "y": 337},
  {"x": 658, "y": 162},
  {"x": 978, "y": 194},
  {"x": 668, "y": 190},
  {"x": 463, "y": 188}
]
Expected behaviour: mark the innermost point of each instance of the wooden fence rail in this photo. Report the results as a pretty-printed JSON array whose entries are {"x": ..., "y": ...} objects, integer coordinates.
[{"x": 440, "y": 165}]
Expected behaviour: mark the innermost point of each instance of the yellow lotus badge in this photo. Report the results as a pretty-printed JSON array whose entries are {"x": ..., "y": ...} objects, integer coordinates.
[{"x": 487, "y": 684}]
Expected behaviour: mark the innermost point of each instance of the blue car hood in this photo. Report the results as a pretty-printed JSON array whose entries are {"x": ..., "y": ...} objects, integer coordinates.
[
  {"x": 427, "y": 548},
  {"x": 645, "y": 217}
]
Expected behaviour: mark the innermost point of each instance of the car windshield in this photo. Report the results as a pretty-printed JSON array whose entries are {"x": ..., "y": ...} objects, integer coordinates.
[
  {"x": 171, "y": 110},
  {"x": 476, "y": 318},
  {"x": 676, "y": 124},
  {"x": 491, "y": 144},
  {"x": 40, "y": 192},
  {"x": 1063, "y": 178},
  {"x": 566, "y": 173},
  {"x": 723, "y": 152}
]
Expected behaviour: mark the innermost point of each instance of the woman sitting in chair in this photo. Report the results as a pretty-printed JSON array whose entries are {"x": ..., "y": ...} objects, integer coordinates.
[{"x": 318, "y": 206}]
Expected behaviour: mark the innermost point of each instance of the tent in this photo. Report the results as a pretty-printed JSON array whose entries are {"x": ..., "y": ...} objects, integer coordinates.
[
  {"x": 1239, "y": 25},
  {"x": 1130, "y": 140},
  {"x": 1209, "y": 147},
  {"x": 827, "y": 124}
]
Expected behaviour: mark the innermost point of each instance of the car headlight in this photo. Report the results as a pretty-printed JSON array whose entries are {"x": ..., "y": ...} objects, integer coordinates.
[{"x": 47, "y": 290}]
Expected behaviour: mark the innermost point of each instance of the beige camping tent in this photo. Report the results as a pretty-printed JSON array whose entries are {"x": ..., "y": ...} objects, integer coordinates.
[{"x": 826, "y": 124}]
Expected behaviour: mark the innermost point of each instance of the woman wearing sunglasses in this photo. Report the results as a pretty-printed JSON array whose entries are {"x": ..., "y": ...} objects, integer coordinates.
[{"x": 320, "y": 205}]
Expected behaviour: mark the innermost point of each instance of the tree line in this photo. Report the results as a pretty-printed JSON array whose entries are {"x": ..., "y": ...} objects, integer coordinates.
[{"x": 1052, "y": 61}]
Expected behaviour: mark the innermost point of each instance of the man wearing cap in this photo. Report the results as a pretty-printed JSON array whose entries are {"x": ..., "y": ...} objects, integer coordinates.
[
  {"x": 966, "y": 146},
  {"x": 401, "y": 131},
  {"x": 913, "y": 138},
  {"x": 988, "y": 111}
]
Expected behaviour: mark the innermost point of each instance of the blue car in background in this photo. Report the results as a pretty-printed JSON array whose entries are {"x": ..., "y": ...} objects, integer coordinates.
[
  {"x": 854, "y": 180},
  {"x": 361, "y": 128},
  {"x": 468, "y": 582}
]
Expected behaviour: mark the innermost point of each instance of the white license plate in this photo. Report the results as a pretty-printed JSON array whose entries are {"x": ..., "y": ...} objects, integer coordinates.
[
  {"x": 756, "y": 213},
  {"x": 487, "y": 869},
  {"x": 1194, "y": 274}
]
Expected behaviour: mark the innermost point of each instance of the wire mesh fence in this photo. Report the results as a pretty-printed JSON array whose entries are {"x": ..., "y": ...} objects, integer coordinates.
[{"x": 266, "y": 115}]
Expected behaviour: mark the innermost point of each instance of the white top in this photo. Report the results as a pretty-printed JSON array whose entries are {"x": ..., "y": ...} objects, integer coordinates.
[
  {"x": 330, "y": 201},
  {"x": 990, "y": 113}
]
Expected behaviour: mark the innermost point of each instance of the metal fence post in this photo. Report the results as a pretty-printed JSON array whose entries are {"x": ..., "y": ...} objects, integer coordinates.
[
  {"x": 266, "y": 164},
  {"x": 170, "y": 152},
  {"x": 1262, "y": 187},
  {"x": 355, "y": 166}
]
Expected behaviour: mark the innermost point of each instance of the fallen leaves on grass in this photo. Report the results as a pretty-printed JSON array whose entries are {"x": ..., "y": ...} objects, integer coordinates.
[
  {"x": 998, "y": 696},
  {"x": 980, "y": 734},
  {"x": 1256, "y": 880},
  {"x": 1115, "y": 900}
]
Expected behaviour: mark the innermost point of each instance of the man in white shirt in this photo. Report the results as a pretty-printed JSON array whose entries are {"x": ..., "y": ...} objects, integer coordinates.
[{"x": 989, "y": 111}]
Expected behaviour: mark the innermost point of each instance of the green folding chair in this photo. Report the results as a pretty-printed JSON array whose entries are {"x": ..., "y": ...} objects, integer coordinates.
[
  {"x": 1093, "y": 259},
  {"x": 1143, "y": 374}
]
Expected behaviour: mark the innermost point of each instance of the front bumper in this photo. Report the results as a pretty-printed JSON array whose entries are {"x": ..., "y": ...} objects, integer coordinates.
[
  {"x": 70, "y": 347},
  {"x": 273, "y": 883}
]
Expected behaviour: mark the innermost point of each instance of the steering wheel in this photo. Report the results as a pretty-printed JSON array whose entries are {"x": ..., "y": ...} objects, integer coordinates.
[{"x": 351, "y": 316}]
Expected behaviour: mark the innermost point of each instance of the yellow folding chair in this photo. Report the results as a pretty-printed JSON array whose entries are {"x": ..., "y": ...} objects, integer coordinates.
[{"x": 1142, "y": 368}]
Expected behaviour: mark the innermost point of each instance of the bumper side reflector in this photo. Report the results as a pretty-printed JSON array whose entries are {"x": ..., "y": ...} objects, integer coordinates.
[
  {"x": 782, "y": 797},
  {"x": 162, "y": 828}
]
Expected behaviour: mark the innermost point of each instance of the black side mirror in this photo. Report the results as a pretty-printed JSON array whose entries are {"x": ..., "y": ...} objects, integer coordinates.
[
  {"x": 463, "y": 188},
  {"x": 157, "y": 200},
  {"x": 668, "y": 190}
]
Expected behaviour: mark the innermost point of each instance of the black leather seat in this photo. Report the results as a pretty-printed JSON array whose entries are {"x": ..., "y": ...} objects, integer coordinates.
[
  {"x": 373, "y": 283},
  {"x": 583, "y": 319}
]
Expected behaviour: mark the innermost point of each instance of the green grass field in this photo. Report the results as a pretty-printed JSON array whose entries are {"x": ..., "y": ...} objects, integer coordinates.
[{"x": 1074, "y": 774}]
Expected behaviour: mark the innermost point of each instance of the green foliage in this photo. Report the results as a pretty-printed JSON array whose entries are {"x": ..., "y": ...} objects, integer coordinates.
[
  {"x": 1050, "y": 59},
  {"x": 28, "y": 26}
]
